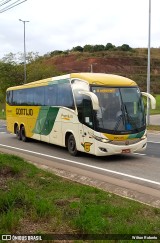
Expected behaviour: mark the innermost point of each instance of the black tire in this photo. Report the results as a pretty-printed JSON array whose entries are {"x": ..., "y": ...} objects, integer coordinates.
[
  {"x": 71, "y": 145},
  {"x": 17, "y": 132},
  {"x": 23, "y": 134}
]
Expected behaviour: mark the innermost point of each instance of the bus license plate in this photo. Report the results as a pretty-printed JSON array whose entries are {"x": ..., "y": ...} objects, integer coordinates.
[{"x": 126, "y": 151}]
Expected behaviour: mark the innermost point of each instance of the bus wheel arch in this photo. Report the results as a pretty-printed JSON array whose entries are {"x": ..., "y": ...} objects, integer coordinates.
[{"x": 70, "y": 143}]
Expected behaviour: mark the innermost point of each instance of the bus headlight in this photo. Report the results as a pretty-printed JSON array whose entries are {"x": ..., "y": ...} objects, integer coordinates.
[{"x": 103, "y": 140}]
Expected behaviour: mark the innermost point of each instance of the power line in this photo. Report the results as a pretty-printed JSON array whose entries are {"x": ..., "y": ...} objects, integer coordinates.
[
  {"x": 12, "y": 5},
  {"x": 4, "y": 2}
]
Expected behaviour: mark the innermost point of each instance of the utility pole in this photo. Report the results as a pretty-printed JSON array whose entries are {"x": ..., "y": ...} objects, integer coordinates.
[
  {"x": 148, "y": 65},
  {"x": 25, "y": 75},
  {"x": 91, "y": 65},
  {"x": 91, "y": 68}
]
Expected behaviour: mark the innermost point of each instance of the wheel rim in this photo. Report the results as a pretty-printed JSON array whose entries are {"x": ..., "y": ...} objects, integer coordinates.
[{"x": 72, "y": 145}]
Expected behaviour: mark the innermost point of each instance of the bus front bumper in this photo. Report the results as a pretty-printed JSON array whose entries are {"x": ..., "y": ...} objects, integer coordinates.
[{"x": 104, "y": 149}]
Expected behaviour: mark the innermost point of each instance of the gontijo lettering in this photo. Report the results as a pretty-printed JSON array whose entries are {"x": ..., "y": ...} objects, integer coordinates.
[{"x": 26, "y": 112}]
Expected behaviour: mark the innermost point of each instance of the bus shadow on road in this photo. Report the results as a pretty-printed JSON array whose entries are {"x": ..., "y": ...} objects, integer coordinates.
[
  {"x": 81, "y": 157},
  {"x": 110, "y": 158}
]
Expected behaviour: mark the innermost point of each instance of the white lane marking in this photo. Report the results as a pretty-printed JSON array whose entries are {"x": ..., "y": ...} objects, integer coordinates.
[
  {"x": 140, "y": 154},
  {"x": 152, "y": 142},
  {"x": 154, "y": 133},
  {"x": 85, "y": 165}
]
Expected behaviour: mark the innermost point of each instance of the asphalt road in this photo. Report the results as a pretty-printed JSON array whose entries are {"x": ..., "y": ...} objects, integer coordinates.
[
  {"x": 155, "y": 120},
  {"x": 136, "y": 176}
]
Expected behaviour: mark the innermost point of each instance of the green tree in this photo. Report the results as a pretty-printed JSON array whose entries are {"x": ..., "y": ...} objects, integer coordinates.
[
  {"x": 125, "y": 47},
  {"x": 109, "y": 46},
  {"x": 10, "y": 75},
  {"x": 78, "y": 48},
  {"x": 9, "y": 58},
  {"x": 88, "y": 48},
  {"x": 39, "y": 70},
  {"x": 56, "y": 52},
  {"x": 98, "y": 48}
]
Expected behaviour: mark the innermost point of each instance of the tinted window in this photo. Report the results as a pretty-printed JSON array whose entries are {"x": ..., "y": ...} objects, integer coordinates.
[
  {"x": 65, "y": 96},
  {"x": 85, "y": 110},
  {"x": 9, "y": 97},
  {"x": 38, "y": 95},
  {"x": 30, "y": 96},
  {"x": 22, "y": 97},
  {"x": 16, "y": 97},
  {"x": 51, "y": 95}
]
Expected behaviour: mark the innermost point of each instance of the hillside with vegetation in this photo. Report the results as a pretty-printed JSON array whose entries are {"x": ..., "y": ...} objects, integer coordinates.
[
  {"x": 131, "y": 64},
  {"x": 123, "y": 60}
]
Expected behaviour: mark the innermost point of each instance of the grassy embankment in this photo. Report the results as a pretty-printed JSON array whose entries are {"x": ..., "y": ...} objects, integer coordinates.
[{"x": 34, "y": 201}]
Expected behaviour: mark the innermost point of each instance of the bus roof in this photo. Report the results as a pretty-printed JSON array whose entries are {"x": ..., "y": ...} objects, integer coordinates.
[
  {"x": 104, "y": 79},
  {"x": 92, "y": 78}
]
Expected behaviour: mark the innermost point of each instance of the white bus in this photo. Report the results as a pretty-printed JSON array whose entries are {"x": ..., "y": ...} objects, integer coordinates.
[{"x": 100, "y": 114}]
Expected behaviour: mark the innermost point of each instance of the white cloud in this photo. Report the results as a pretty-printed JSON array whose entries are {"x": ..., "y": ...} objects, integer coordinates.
[{"x": 62, "y": 24}]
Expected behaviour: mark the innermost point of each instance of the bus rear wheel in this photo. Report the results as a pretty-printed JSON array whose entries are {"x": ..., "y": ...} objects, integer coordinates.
[
  {"x": 23, "y": 134},
  {"x": 17, "y": 132},
  {"x": 71, "y": 145}
]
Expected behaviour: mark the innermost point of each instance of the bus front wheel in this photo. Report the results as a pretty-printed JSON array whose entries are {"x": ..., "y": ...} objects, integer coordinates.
[
  {"x": 23, "y": 134},
  {"x": 71, "y": 145}
]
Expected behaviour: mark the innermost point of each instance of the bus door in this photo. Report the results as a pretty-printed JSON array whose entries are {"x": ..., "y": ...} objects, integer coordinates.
[
  {"x": 87, "y": 141},
  {"x": 87, "y": 126}
]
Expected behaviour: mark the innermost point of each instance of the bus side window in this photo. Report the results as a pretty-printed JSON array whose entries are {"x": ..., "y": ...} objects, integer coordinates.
[
  {"x": 15, "y": 97},
  {"x": 30, "y": 96},
  {"x": 51, "y": 95},
  {"x": 85, "y": 111},
  {"x": 9, "y": 97},
  {"x": 65, "y": 96},
  {"x": 39, "y": 96},
  {"x": 22, "y": 97}
]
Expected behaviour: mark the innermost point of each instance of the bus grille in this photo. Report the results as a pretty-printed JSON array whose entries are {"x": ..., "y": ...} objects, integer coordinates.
[{"x": 126, "y": 142}]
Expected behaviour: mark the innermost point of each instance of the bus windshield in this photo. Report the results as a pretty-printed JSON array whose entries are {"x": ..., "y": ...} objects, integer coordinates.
[{"x": 121, "y": 110}]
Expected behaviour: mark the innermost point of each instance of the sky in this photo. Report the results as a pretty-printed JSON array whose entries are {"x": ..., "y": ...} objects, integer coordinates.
[{"x": 64, "y": 24}]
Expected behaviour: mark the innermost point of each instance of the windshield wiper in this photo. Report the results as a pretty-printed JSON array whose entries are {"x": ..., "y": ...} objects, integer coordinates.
[
  {"x": 130, "y": 122},
  {"x": 126, "y": 119},
  {"x": 118, "y": 123},
  {"x": 120, "y": 117}
]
